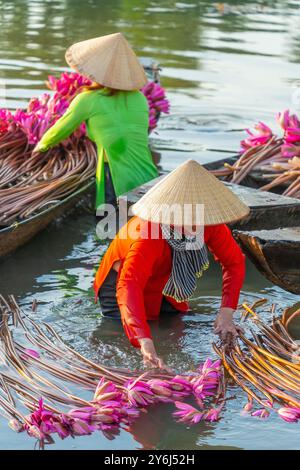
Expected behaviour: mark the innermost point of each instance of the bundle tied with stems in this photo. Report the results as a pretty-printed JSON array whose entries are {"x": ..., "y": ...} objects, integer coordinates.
[
  {"x": 277, "y": 158},
  {"x": 267, "y": 365},
  {"x": 47, "y": 388},
  {"x": 30, "y": 183}
]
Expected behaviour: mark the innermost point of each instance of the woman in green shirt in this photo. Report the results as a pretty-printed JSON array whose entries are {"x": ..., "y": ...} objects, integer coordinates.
[{"x": 115, "y": 112}]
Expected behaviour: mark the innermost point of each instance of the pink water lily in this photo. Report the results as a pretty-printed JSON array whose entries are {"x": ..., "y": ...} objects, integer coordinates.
[
  {"x": 283, "y": 119},
  {"x": 249, "y": 406},
  {"x": 290, "y": 150},
  {"x": 139, "y": 393},
  {"x": 292, "y": 135},
  {"x": 289, "y": 414},
  {"x": 187, "y": 413},
  {"x": 181, "y": 385},
  {"x": 104, "y": 387},
  {"x": 210, "y": 366},
  {"x": 264, "y": 135},
  {"x": 41, "y": 420},
  {"x": 161, "y": 389},
  {"x": 261, "y": 413},
  {"x": 5, "y": 120},
  {"x": 213, "y": 414},
  {"x": 157, "y": 102},
  {"x": 84, "y": 413},
  {"x": 62, "y": 426},
  {"x": 80, "y": 427}
]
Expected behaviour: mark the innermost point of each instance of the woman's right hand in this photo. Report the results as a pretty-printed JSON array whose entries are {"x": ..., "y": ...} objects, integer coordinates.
[{"x": 150, "y": 356}]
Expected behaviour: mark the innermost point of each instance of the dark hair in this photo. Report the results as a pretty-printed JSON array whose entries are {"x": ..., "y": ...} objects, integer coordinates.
[{"x": 98, "y": 86}]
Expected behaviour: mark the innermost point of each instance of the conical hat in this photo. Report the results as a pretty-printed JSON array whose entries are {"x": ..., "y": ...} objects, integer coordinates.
[
  {"x": 183, "y": 190},
  {"x": 108, "y": 60}
]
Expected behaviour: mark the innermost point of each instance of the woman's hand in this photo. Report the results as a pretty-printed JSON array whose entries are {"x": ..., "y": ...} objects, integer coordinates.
[
  {"x": 225, "y": 327},
  {"x": 150, "y": 356}
]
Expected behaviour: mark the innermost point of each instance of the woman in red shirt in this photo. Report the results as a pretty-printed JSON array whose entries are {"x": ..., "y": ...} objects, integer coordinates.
[{"x": 153, "y": 262}]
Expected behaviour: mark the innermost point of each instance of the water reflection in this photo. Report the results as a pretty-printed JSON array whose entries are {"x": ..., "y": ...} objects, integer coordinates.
[{"x": 225, "y": 66}]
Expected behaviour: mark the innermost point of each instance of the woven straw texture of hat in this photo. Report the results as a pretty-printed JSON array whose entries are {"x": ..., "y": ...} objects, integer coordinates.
[
  {"x": 108, "y": 60},
  {"x": 184, "y": 189}
]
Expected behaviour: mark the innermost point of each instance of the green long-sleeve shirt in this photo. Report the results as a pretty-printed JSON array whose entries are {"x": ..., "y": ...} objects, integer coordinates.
[{"x": 118, "y": 124}]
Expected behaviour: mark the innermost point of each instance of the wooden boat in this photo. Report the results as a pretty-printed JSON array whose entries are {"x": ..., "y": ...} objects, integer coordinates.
[
  {"x": 19, "y": 233},
  {"x": 275, "y": 253}
]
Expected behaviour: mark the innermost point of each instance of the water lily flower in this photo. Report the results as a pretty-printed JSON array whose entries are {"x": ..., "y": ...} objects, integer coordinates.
[
  {"x": 283, "y": 119},
  {"x": 187, "y": 413},
  {"x": 264, "y": 135},
  {"x": 249, "y": 405},
  {"x": 84, "y": 413},
  {"x": 62, "y": 426},
  {"x": 160, "y": 388},
  {"x": 289, "y": 414},
  {"x": 261, "y": 413},
  {"x": 34, "y": 431},
  {"x": 181, "y": 385},
  {"x": 80, "y": 427},
  {"x": 205, "y": 366},
  {"x": 290, "y": 150},
  {"x": 40, "y": 419},
  {"x": 139, "y": 393},
  {"x": 292, "y": 134},
  {"x": 213, "y": 414},
  {"x": 106, "y": 391}
]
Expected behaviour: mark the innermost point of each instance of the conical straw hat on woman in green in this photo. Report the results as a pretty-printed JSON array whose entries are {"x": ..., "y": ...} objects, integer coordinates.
[{"x": 115, "y": 112}]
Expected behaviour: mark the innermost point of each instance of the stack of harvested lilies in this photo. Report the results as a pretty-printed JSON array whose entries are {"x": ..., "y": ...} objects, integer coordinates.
[
  {"x": 276, "y": 158},
  {"x": 38, "y": 381},
  {"x": 30, "y": 183}
]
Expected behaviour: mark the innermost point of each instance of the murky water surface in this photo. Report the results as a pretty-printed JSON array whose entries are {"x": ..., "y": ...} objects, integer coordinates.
[{"x": 225, "y": 66}]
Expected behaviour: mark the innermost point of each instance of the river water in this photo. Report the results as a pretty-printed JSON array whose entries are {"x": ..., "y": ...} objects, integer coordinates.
[{"x": 225, "y": 66}]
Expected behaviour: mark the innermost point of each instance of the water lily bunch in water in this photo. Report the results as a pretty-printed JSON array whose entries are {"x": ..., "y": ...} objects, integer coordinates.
[
  {"x": 275, "y": 158},
  {"x": 267, "y": 366},
  {"x": 38, "y": 382}
]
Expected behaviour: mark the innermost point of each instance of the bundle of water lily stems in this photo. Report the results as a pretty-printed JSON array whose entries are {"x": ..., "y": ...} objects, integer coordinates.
[
  {"x": 276, "y": 159},
  {"x": 29, "y": 183},
  {"x": 267, "y": 367},
  {"x": 67, "y": 394}
]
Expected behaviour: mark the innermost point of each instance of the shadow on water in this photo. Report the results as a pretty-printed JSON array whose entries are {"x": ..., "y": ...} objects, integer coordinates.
[{"x": 225, "y": 66}]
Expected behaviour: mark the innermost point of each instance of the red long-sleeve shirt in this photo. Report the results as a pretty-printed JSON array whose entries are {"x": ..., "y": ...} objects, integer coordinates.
[{"x": 146, "y": 266}]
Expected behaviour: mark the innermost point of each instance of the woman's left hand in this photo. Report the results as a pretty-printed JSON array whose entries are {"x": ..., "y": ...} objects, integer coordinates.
[{"x": 225, "y": 327}]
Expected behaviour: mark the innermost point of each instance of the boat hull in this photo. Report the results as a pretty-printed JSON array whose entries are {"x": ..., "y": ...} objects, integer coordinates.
[
  {"x": 276, "y": 254},
  {"x": 18, "y": 234}
]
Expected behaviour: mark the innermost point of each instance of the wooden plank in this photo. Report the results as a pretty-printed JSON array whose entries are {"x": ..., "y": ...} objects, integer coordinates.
[{"x": 275, "y": 253}]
